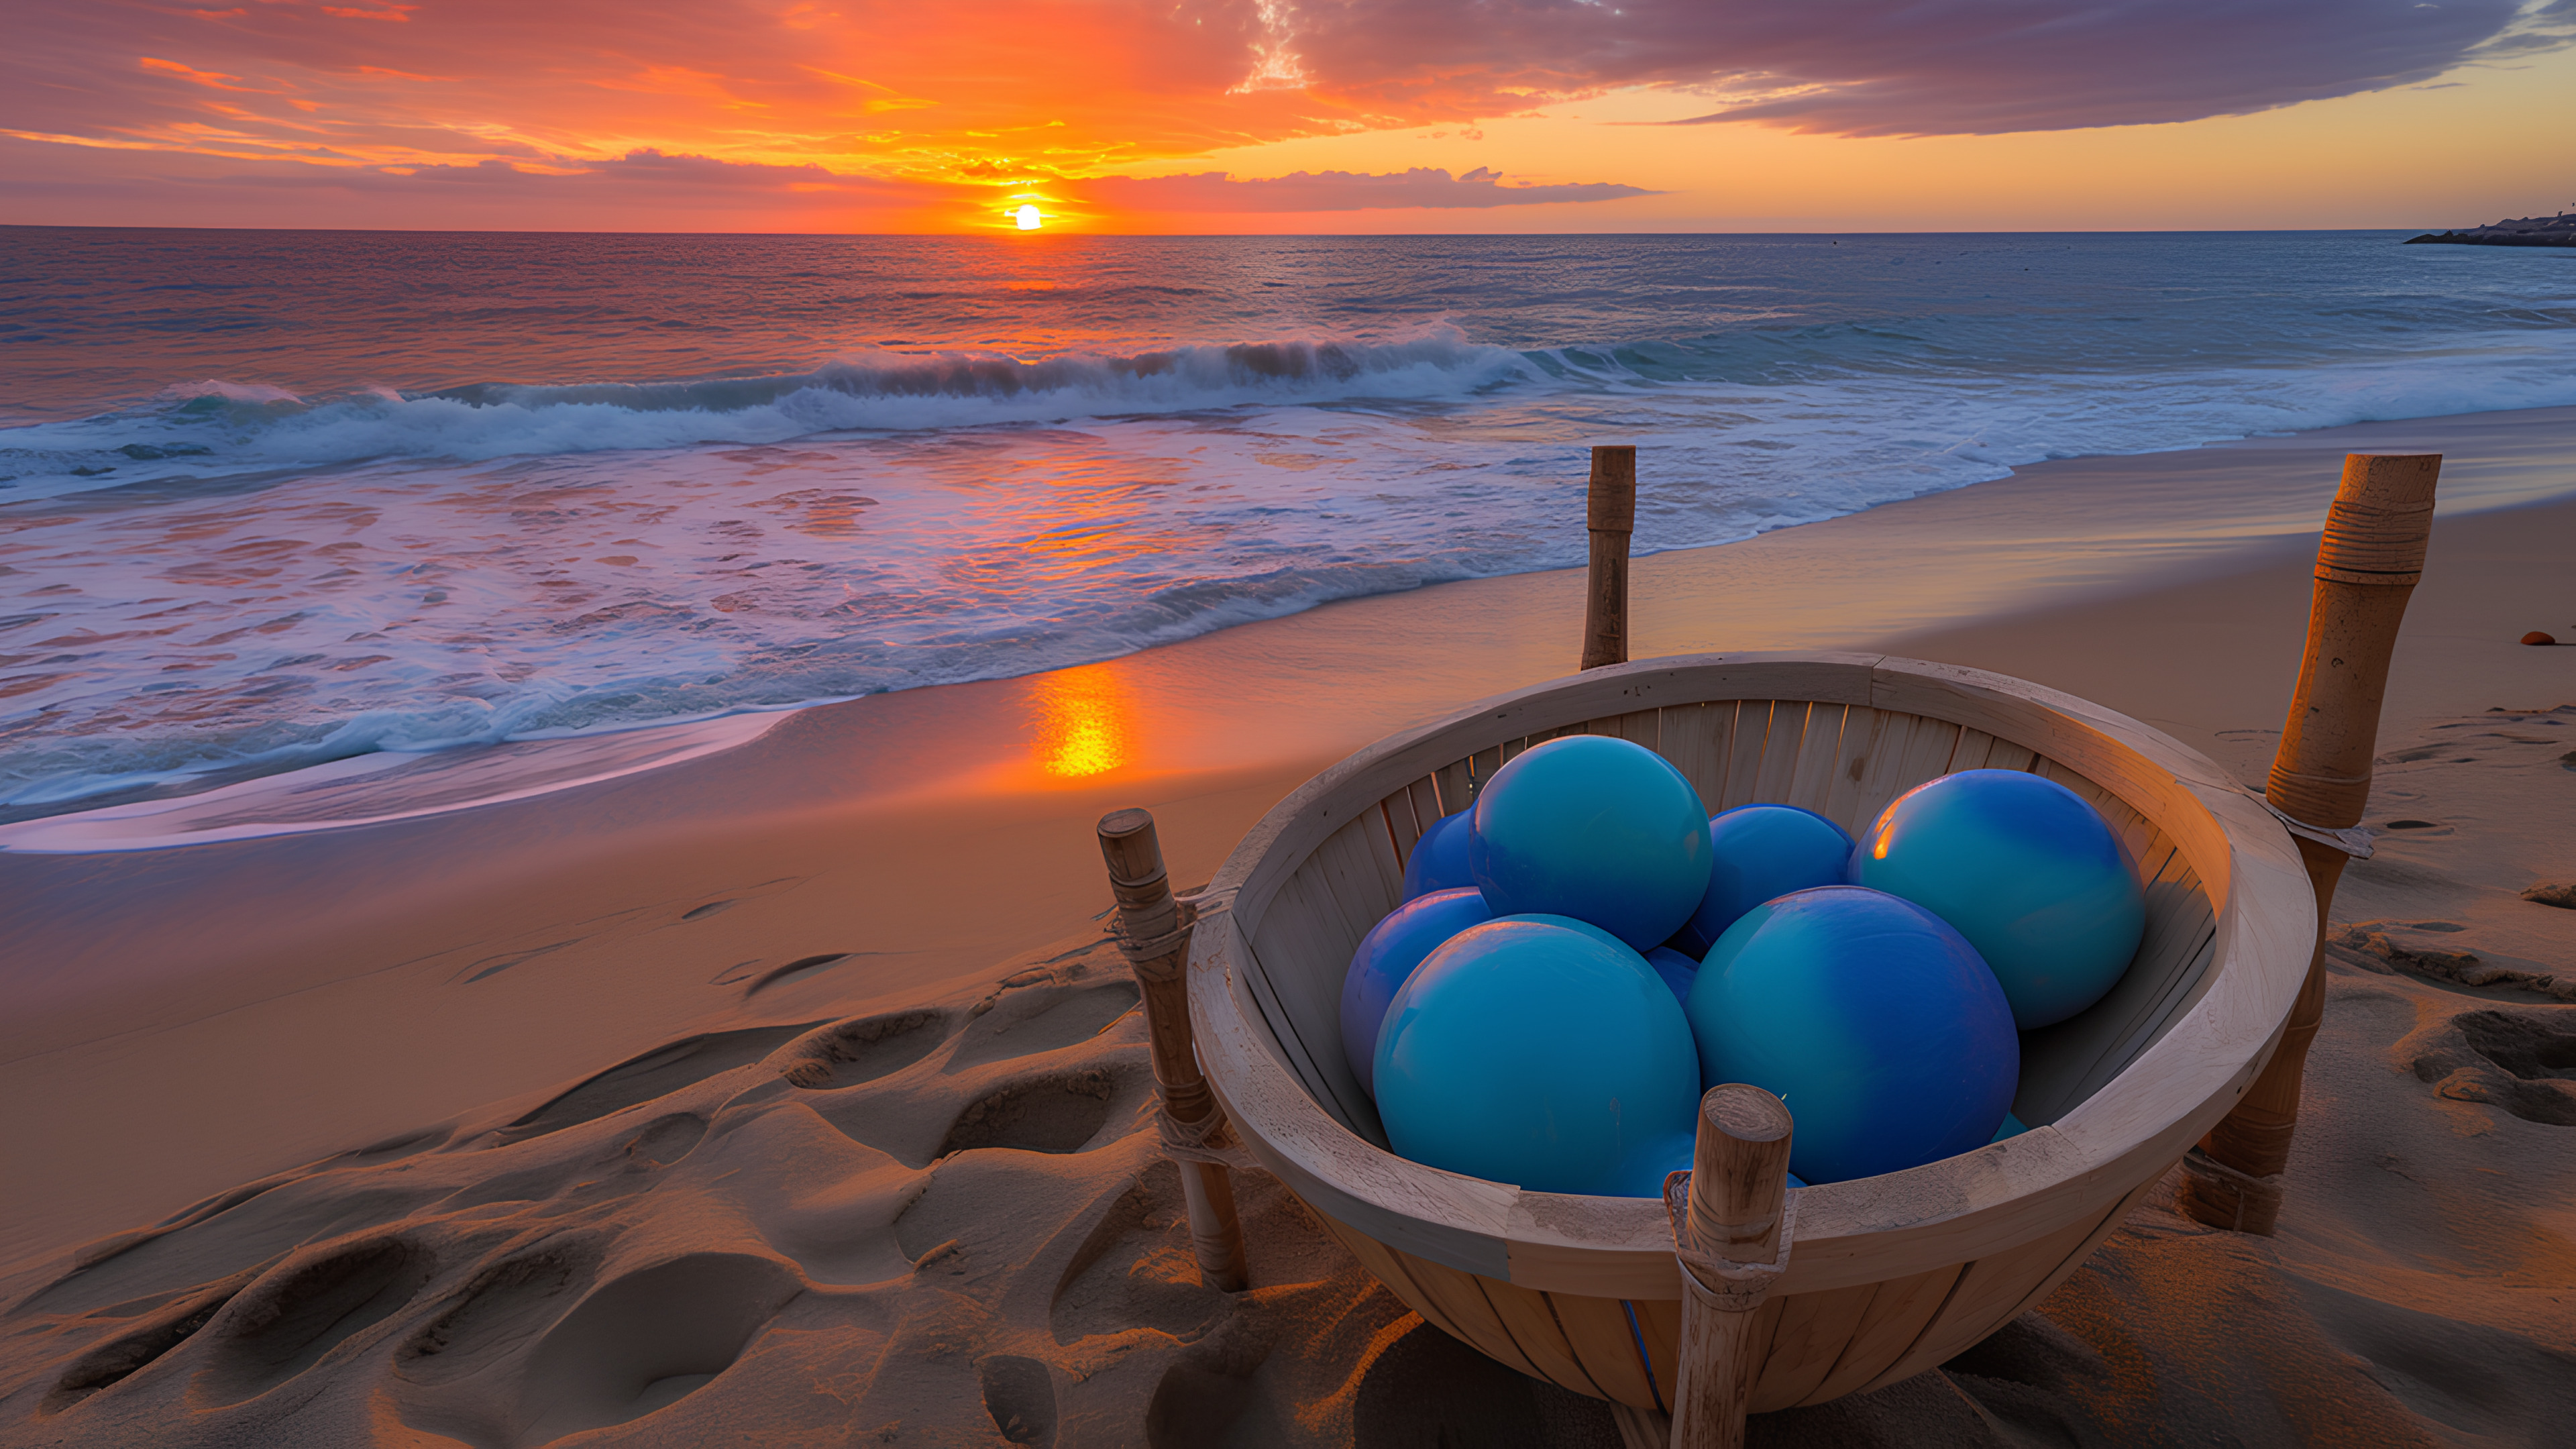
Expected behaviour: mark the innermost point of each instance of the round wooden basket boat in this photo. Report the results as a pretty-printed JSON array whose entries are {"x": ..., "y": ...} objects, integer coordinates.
[{"x": 1887, "y": 1276}]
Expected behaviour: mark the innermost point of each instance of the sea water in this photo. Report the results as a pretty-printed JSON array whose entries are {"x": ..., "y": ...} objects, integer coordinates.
[{"x": 271, "y": 499}]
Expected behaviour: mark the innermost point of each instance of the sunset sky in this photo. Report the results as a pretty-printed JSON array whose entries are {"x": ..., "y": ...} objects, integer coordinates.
[{"x": 1287, "y": 115}]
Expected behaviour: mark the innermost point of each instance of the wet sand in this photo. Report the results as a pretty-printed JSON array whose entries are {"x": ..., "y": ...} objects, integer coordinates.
[{"x": 185, "y": 1020}]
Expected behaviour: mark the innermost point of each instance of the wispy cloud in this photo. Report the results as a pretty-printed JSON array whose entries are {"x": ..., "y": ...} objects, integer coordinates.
[
  {"x": 1322, "y": 191},
  {"x": 1901, "y": 67}
]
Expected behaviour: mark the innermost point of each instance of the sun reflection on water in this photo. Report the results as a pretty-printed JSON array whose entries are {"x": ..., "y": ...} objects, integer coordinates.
[{"x": 1084, "y": 722}]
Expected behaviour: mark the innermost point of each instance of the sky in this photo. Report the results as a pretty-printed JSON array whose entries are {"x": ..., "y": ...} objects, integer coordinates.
[{"x": 1286, "y": 116}]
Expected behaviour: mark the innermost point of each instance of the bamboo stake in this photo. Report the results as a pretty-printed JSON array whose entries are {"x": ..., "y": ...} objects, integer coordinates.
[
  {"x": 1155, "y": 934},
  {"x": 1731, "y": 1232},
  {"x": 2367, "y": 567},
  {"x": 1610, "y": 512}
]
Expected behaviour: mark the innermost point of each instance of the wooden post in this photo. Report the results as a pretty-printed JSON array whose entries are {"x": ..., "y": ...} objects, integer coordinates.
[
  {"x": 1610, "y": 512},
  {"x": 1731, "y": 1232},
  {"x": 2367, "y": 567},
  {"x": 1156, "y": 937}
]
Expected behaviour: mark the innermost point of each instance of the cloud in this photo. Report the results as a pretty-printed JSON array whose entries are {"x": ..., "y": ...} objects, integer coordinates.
[
  {"x": 1901, "y": 67},
  {"x": 984, "y": 98},
  {"x": 1304, "y": 191}
]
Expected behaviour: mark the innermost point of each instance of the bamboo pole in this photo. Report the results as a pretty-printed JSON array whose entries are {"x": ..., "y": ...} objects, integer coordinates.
[
  {"x": 1731, "y": 1232},
  {"x": 1610, "y": 512},
  {"x": 2367, "y": 567},
  {"x": 1155, "y": 934}
]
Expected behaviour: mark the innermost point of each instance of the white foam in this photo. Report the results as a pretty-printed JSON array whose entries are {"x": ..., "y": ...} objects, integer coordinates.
[{"x": 387, "y": 785}]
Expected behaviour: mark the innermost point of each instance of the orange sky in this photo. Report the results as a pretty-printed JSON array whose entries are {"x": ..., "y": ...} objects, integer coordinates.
[{"x": 1282, "y": 116}]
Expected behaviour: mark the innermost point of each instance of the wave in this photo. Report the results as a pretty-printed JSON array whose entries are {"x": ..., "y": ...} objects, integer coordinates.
[{"x": 213, "y": 427}]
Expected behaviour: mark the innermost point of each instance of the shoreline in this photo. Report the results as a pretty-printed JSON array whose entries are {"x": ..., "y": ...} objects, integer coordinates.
[
  {"x": 913, "y": 839},
  {"x": 2202, "y": 517}
]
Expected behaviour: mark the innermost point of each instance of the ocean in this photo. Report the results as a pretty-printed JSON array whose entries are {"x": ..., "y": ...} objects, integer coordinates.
[{"x": 274, "y": 499}]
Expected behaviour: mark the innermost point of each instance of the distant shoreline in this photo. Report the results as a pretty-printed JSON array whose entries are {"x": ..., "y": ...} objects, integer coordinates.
[{"x": 2528, "y": 231}]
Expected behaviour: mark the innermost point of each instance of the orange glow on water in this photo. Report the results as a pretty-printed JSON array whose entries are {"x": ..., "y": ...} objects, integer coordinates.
[{"x": 1085, "y": 722}]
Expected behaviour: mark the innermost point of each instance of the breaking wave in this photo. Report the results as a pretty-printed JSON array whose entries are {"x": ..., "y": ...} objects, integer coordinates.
[{"x": 213, "y": 427}]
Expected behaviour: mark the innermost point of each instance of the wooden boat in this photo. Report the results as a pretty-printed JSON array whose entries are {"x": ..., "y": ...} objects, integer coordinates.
[{"x": 1887, "y": 1276}]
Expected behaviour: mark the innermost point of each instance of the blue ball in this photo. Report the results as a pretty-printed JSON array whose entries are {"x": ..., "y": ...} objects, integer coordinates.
[
  {"x": 1872, "y": 1019},
  {"x": 1534, "y": 1054},
  {"x": 1439, "y": 859},
  {"x": 1594, "y": 828},
  {"x": 1387, "y": 955},
  {"x": 1758, "y": 852},
  {"x": 1676, "y": 969},
  {"x": 2027, "y": 871}
]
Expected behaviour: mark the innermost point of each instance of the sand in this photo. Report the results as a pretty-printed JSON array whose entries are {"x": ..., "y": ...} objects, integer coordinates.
[{"x": 788, "y": 1094}]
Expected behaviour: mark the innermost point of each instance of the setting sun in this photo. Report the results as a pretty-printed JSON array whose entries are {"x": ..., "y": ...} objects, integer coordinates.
[{"x": 1028, "y": 218}]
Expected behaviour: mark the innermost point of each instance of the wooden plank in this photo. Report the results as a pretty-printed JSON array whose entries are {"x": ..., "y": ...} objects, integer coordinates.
[
  {"x": 1364, "y": 877},
  {"x": 1806, "y": 1343},
  {"x": 1598, "y": 1332},
  {"x": 1866, "y": 733},
  {"x": 1640, "y": 727},
  {"x": 1744, "y": 751},
  {"x": 1893, "y": 762},
  {"x": 1387, "y": 1267},
  {"x": 1779, "y": 767},
  {"x": 1470, "y": 1313},
  {"x": 1811, "y": 778},
  {"x": 1425, "y": 795},
  {"x": 2075, "y": 1260},
  {"x": 1292, "y": 939},
  {"x": 1989, "y": 1291},
  {"x": 1897, "y": 1311},
  {"x": 1694, "y": 737},
  {"x": 1401, "y": 829},
  {"x": 1457, "y": 785},
  {"x": 1973, "y": 748},
  {"x": 1659, "y": 1324},
  {"x": 2005, "y": 755},
  {"x": 1528, "y": 1318}
]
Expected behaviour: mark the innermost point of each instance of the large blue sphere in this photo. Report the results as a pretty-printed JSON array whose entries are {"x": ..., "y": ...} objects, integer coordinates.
[
  {"x": 1439, "y": 859},
  {"x": 1530, "y": 1053},
  {"x": 1872, "y": 1019},
  {"x": 1758, "y": 852},
  {"x": 1594, "y": 828},
  {"x": 1387, "y": 955},
  {"x": 2027, "y": 871}
]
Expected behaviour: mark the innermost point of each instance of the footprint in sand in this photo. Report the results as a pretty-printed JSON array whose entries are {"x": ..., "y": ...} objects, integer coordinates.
[
  {"x": 642, "y": 1342},
  {"x": 1020, "y": 1397},
  {"x": 293, "y": 1315},
  {"x": 2524, "y": 1062},
  {"x": 849, "y": 1053},
  {"x": 636, "y": 1248},
  {"x": 657, "y": 1073}
]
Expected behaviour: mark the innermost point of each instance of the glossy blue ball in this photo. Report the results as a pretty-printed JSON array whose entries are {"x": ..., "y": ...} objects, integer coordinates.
[
  {"x": 1758, "y": 852},
  {"x": 1872, "y": 1019},
  {"x": 1530, "y": 1053},
  {"x": 1439, "y": 859},
  {"x": 2027, "y": 871},
  {"x": 1387, "y": 955},
  {"x": 1595, "y": 828}
]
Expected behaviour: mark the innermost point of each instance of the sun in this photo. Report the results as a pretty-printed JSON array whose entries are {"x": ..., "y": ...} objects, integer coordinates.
[{"x": 1028, "y": 218}]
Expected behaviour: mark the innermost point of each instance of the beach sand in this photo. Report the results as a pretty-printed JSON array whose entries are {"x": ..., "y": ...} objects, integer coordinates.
[{"x": 790, "y": 1093}]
